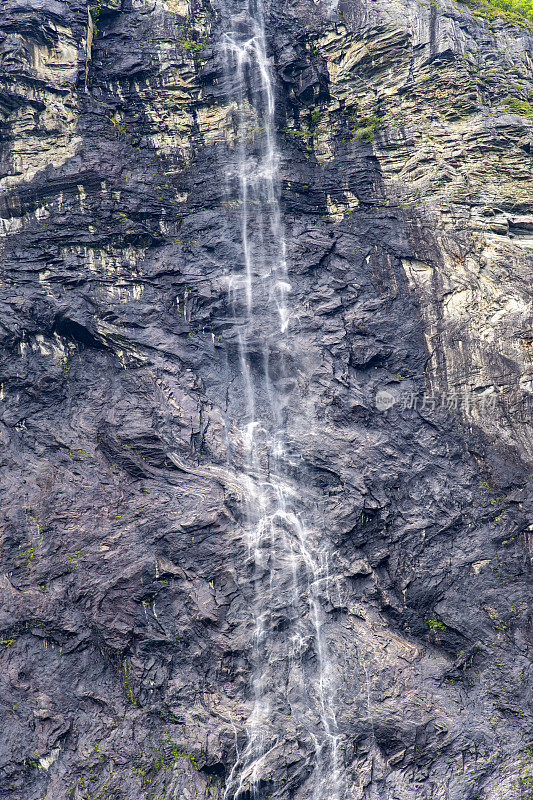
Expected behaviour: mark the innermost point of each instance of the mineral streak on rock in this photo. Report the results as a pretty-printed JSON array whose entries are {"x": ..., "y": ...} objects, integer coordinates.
[{"x": 127, "y": 628}]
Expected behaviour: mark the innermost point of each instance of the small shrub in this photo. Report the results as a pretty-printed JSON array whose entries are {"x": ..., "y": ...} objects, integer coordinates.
[{"x": 363, "y": 129}]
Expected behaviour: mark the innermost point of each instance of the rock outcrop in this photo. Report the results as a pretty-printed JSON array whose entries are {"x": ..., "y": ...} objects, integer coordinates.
[{"x": 127, "y": 607}]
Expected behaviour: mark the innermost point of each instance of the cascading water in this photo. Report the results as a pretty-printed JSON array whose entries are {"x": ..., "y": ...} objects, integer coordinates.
[{"x": 292, "y": 678}]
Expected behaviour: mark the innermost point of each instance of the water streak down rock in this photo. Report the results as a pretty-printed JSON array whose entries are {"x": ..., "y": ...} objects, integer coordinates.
[
  {"x": 265, "y": 401},
  {"x": 287, "y": 577}
]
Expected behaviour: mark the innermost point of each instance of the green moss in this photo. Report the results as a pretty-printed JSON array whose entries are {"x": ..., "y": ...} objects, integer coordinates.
[
  {"x": 190, "y": 44},
  {"x": 314, "y": 123},
  {"x": 363, "y": 129},
  {"x": 28, "y": 554},
  {"x": 95, "y": 11},
  {"x": 435, "y": 624},
  {"x": 192, "y": 39},
  {"x": 520, "y": 106},
  {"x": 308, "y": 136},
  {"x": 515, "y": 12},
  {"x": 72, "y": 560}
]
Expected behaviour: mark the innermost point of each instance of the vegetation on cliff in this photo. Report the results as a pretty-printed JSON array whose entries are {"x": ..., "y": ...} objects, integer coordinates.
[{"x": 515, "y": 11}]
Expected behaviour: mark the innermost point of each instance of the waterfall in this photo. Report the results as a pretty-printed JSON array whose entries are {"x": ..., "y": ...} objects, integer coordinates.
[{"x": 292, "y": 680}]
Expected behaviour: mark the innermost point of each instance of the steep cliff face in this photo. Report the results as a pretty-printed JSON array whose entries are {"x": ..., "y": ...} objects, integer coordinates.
[{"x": 398, "y": 663}]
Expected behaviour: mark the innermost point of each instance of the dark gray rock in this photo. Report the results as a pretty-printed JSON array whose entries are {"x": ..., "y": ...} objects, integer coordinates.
[{"x": 127, "y": 613}]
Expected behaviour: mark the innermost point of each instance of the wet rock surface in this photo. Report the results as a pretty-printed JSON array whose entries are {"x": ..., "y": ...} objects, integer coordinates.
[{"x": 126, "y": 593}]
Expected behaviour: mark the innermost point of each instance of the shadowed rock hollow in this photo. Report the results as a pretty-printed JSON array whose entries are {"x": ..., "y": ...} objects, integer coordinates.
[{"x": 381, "y": 622}]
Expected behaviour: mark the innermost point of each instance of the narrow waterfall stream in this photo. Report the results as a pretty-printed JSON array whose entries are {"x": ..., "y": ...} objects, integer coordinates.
[{"x": 292, "y": 680}]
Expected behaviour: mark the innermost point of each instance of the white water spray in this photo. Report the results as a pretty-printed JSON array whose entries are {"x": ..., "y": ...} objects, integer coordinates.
[{"x": 292, "y": 679}]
